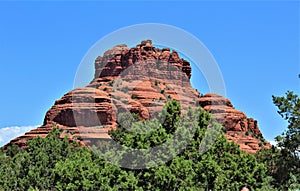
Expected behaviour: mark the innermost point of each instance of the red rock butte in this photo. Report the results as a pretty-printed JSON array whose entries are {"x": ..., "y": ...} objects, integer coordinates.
[{"x": 139, "y": 80}]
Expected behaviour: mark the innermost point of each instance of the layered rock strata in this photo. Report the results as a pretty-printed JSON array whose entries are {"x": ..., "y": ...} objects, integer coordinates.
[{"x": 138, "y": 80}]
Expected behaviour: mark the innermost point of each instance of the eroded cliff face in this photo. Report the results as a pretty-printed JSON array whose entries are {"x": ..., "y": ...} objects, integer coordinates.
[
  {"x": 138, "y": 80},
  {"x": 240, "y": 129}
]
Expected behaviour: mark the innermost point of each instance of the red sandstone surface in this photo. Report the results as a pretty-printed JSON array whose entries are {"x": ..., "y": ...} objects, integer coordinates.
[{"x": 139, "y": 80}]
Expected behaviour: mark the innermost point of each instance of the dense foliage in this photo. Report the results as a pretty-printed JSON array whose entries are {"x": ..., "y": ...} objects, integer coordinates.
[
  {"x": 284, "y": 162},
  {"x": 207, "y": 162}
]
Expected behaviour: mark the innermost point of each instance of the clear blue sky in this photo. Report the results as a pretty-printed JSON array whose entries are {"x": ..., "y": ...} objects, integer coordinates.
[{"x": 256, "y": 45}]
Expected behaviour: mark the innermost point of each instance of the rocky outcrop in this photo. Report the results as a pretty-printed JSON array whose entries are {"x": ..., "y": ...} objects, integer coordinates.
[
  {"x": 139, "y": 63},
  {"x": 232, "y": 119},
  {"x": 138, "y": 80},
  {"x": 83, "y": 104},
  {"x": 239, "y": 127}
]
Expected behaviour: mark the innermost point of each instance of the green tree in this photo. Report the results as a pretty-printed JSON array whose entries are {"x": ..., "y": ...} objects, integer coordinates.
[
  {"x": 222, "y": 167},
  {"x": 289, "y": 109},
  {"x": 207, "y": 161},
  {"x": 284, "y": 163},
  {"x": 289, "y": 142},
  {"x": 32, "y": 168}
]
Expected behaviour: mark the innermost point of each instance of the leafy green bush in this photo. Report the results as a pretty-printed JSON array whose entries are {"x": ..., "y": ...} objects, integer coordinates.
[{"x": 53, "y": 163}]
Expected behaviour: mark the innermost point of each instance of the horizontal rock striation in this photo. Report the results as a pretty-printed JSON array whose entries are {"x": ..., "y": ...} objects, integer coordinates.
[
  {"x": 138, "y": 80},
  {"x": 239, "y": 128}
]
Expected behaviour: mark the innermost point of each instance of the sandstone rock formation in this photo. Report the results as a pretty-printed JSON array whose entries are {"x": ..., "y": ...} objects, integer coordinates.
[
  {"x": 240, "y": 128},
  {"x": 139, "y": 80}
]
